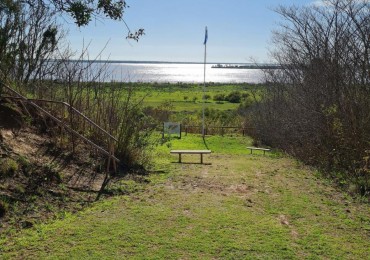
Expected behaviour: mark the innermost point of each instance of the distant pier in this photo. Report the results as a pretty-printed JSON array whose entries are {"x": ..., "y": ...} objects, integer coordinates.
[{"x": 251, "y": 66}]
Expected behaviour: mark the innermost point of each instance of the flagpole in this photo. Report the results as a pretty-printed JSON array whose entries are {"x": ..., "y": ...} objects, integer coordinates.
[{"x": 204, "y": 79}]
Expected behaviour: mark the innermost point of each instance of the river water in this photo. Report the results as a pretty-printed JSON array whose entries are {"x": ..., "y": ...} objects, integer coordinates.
[{"x": 180, "y": 72}]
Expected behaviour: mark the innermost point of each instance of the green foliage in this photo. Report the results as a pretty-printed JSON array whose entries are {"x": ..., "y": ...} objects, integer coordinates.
[
  {"x": 80, "y": 12},
  {"x": 51, "y": 173},
  {"x": 8, "y": 167},
  {"x": 234, "y": 97},
  {"x": 112, "y": 9},
  {"x": 206, "y": 97},
  {"x": 25, "y": 26},
  {"x": 50, "y": 37},
  {"x": 156, "y": 93},
  {"x": 222, "y": 145},
  {"x": 133, "y": 132},
  {"x": 124, "y": 187},
  {"x": 219, "y": 97},
  {"x": 24, "y": 164}
]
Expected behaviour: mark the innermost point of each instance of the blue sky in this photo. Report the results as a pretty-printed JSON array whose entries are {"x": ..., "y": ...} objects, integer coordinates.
[{"x": 238, "y": 31}]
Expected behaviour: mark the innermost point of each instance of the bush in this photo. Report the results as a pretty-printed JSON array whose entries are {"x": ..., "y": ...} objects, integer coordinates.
[
  {"x": 134, "y": 131},
  {"x": 219, "y": 97},
  {"x": 234, "y": 97},
  {"x": 206, "y": 97},
  {"x": 8, "y": 167}
]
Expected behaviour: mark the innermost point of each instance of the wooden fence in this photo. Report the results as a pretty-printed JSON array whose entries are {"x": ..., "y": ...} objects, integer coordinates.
[{"x": 217, "y": 130}]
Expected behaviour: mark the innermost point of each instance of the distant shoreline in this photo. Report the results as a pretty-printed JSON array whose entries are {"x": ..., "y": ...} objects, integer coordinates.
[{"x": 226, "y": 64}]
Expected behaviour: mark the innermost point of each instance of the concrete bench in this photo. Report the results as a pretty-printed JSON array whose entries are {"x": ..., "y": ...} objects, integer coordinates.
[
  {"x": 201, "y": 152},
  {"x": 260, "y": 149}
]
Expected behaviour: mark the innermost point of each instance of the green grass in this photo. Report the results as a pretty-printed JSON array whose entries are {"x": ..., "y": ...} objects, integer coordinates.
[
  {"x": 177, "y": 100},
  {"x": 239, "y": 206},
  {"x": 234, "y": 144},
  {"x": 156, "y": 95}
]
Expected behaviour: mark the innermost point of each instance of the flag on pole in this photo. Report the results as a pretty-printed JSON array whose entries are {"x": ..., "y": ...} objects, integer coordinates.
[{"x": 206, "y": 37}]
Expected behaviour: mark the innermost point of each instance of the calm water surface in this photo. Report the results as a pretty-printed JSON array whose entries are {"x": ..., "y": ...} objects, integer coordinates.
[{"x": 174, "y": 72}]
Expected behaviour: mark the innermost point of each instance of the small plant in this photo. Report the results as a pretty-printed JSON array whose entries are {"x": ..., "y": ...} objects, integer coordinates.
[
  {"x": 25, "y": 164},
  {"x": 19, "y": 189},
  {"x": 124, "y": 187},
  {"x": 8, "y": 166}
]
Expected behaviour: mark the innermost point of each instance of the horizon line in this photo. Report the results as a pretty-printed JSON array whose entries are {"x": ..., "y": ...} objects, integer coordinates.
[{"x": 169, "y": 62}]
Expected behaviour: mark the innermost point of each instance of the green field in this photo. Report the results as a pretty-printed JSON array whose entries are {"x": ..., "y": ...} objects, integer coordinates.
[
  {"x": 237, "y": 206},
  {"x": 188, "y": 97}
]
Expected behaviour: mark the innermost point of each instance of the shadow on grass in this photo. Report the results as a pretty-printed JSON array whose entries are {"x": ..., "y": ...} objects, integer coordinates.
[
  {"x": 192, "y": 163},
  {"x": 205, "y": 143}
]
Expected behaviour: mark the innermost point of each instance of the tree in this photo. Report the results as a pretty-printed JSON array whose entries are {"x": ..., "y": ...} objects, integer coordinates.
[
  {"x": 28, "y": 38},
  {"x": 317, "y": 105},
  {"x": 29, "y": 35},
  {"x": 82, "y": 11}
]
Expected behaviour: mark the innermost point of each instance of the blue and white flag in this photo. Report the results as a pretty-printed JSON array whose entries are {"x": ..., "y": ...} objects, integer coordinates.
[{"x": 206, "y": 37}]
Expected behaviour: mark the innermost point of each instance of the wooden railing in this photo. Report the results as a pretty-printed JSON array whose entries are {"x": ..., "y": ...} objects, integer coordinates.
[
  {"x": 65, "y": 104},
  {"x": 109, "y": 152}
]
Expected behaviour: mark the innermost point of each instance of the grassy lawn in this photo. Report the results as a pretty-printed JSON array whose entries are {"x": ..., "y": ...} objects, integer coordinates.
[{"x": 239, "y": 206}]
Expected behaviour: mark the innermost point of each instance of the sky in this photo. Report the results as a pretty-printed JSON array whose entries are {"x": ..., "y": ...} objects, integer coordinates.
[{"x": 239, "y": 31}]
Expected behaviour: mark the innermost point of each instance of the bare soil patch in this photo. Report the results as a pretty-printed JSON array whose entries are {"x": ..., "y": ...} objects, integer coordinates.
[{"x": 40, "y": 177}]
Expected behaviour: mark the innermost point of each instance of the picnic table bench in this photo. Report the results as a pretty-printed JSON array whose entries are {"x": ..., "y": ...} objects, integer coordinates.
[
  {"x": 258, "y": 148},
  {"x": 201, "y": 152}
]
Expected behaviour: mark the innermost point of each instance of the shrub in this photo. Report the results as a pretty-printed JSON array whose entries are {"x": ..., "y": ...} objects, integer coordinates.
[
  {"x": 206, "y": 97},
  {"x": 8, "y": 166},
  {"x": 245, "y": 95},
  {"x": 234, "y": 97},
  {"x": 134, "y": 131},
  {"x": 219, "y": 97}
]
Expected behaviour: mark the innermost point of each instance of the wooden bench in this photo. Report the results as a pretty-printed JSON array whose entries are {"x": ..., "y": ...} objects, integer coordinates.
[
  {"x": 257, "y": 148},
  {"x": 201, "y": 152}
]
